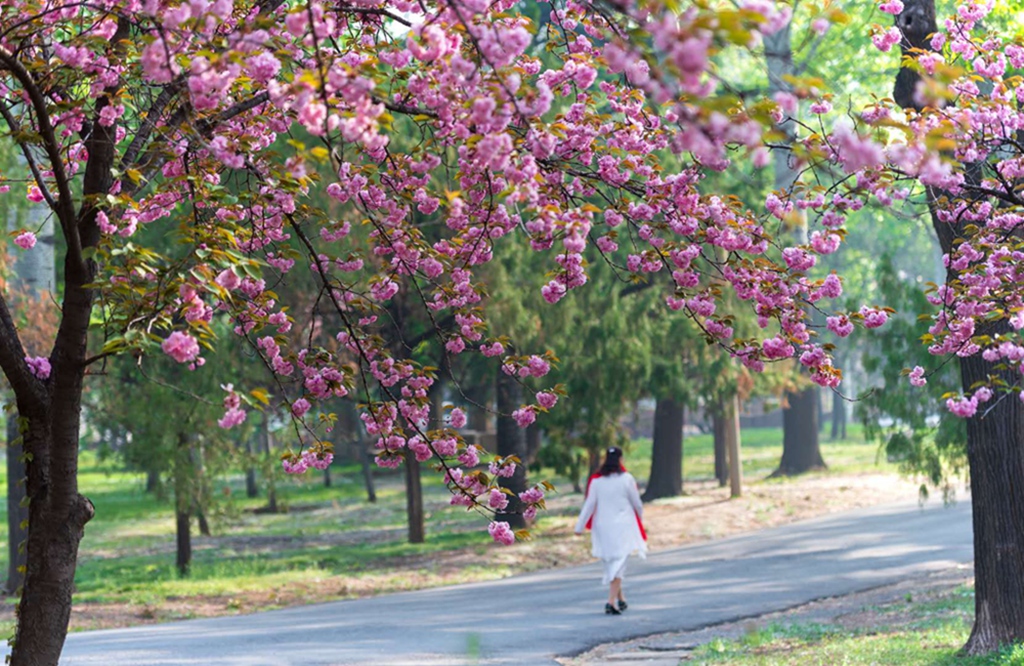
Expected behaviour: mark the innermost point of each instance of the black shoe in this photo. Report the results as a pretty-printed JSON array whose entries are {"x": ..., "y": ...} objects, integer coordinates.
[
  {"x": 622, "y": 605},
  {"x": 611, "y": 610}
]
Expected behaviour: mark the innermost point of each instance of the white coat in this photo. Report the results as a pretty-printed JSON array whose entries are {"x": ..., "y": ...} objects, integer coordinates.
[{"x": 614, "y": 503}]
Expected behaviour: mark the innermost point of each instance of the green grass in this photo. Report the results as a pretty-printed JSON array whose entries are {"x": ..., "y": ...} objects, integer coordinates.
[
  {"x": 127, "y": 555},
  {"x": 760, "y": 451},
  {"x": 908, "y": 633}
]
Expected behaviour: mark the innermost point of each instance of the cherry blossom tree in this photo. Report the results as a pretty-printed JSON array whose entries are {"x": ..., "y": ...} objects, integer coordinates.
[{"x": 217, "y": 122}]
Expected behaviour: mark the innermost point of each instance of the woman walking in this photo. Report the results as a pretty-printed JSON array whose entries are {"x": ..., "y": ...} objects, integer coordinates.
[{"x": 613, "y": 507}]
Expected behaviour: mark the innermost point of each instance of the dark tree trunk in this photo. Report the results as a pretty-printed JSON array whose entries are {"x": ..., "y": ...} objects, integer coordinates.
[
  {"x": 995, "y": 452},
  {"x": 414, "y": 499},
  {"x": 838, "y": 418},
  {"x": 251, "y": 487},
  {"x": 17, "y": 511},
  {"x": 721, "y": 455},
  {"x": 534, "y": 439},
  {"x": 183, "y": 502},
  {"x": 268, "y": 452},
  {"x": 575, "y": 467},
  {"x": 995, "y": 435},
  {"x": 666, "y": 451},
  {"x": 364, "y": 459},
  {"x": 204, "y": 525},
  {"x": 327, "y": 477},
  {"x": 800, "y": 448},
  {"x": 479, "y": 397},
  {"x": 153, "y": 482},
  {"x": 511, "y": 441},
  {"x": 184, "y": 542}
]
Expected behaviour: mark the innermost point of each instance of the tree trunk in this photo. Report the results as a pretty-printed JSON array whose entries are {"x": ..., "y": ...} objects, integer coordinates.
[
  {"x": 268, "y": 452},
  {"x": 204, "y": 525},
  {"x": 838, "y": 418},
  {"x": 183, "y": 501},
  {"x": 511, "y": 441},
  {"x": 996, "y": 457},
  {"x": 327, "y": 477},
  {"x": 666, "y": 478},
  {"x": 534, "y": 439},
  {"x": 800, "y": 450},
  {"x": 414, "y": 499},
  {"x": 721, "y": 459},
  {"x": 732, "y": 445},
  {"x": 251, "y": 488},
  {"x": 364, "y": 459},
  {"x": 17, "y": 511},
  {"x": 152, "y": 481},
  {"x": 184, "y": 542}
]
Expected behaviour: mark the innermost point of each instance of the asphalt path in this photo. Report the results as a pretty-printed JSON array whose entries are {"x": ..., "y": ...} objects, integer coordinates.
[{"x": 533, "y": 618}]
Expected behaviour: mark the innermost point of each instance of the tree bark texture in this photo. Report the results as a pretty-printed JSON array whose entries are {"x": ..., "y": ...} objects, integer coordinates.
[
  {"x": 17, "y": 511},
  {"x": 800, "y": 449},
  {"x": 511, "y": 441},
  {"x": 182, "y": 505},
  {"x": 666, "y": 478}
]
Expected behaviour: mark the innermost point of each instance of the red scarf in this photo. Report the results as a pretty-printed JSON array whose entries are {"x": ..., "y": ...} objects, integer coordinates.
[{"x": 590, "y": 522}]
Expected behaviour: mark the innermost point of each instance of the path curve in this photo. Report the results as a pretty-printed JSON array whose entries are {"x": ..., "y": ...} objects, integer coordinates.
[{"x": 531, "y": 619}]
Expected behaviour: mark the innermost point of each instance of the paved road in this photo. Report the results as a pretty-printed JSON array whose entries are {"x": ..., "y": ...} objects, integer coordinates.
[{"x": 530, "y": 619}]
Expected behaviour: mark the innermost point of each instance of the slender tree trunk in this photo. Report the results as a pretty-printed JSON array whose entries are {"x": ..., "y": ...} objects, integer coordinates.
[
  {"x": 721, "y": 455},
  {"x": 327, "y": 477},
  {"x": 666, "y": 478},
  {"x": 17, "y": 511},
  {"x": 575, "y": 467},
  {"x": 183, "y": 541},
  {"x": 732, "y": 445},
  {"x": 183, "y": 501},
  {"x": 838, "y": 418},
  {"x": 268, "y": 452},
  {"x": 800, "y": 450},
  {"x": 152, "y": 481},
  {"x": 251, "y": 487},
  {"x": 511, "y": 441},
  {"x": 414, "y": 499},
  {"x": 364, "y": 459},
  {"x": 534, "y": 439}
]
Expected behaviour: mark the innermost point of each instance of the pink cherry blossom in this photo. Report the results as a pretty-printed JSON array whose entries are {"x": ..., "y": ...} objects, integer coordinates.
[
  {"x": 39, "y": 366},
  {"x": 501, "y": 533},
  {"x": 25, "y": 240},
  {"x": 180, "y": 346}
]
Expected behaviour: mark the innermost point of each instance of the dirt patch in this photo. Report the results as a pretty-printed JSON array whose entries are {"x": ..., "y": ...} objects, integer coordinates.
[{"x": 705, "y": 512}]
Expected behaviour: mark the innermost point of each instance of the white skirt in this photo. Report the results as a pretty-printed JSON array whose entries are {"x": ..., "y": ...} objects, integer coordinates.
[{"x": 614, "y": 567}]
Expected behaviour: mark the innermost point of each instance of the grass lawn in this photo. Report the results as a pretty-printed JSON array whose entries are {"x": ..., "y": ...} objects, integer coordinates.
[
  {"x": 331, "y": 543},
  {"x": 909, "y": 633}
]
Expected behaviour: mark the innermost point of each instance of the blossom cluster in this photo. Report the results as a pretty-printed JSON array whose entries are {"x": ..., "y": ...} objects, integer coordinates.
[{"x": 559, "y": 147}]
